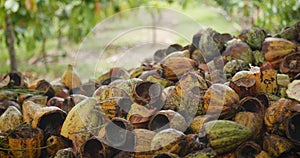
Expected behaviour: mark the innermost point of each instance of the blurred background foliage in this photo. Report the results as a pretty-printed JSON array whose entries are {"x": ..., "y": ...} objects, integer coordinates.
[{"x": 39, "y": 26}]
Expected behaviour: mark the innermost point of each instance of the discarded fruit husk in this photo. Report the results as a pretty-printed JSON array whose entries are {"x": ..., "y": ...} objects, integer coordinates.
[
  {"x": 140, "y": 115},
  {"x": 113, "y": 74},
  {"x": 10, "y": 119},
  {"x": 28, "y": 140},
  {"x": 70, "y": 78},
  {"x": 224, "y": 136},
  {"x": 164, "y": 82},
  {"x": 276, "y": 116},
  {"x": 49, "y": 119},
  {"x": 116, "y": 107},
  {"x": 239, "y": 50},
  {"x": 198, "y": 122},
  {"x": 254, "y": 37},
  {"x": 166, "y": 155},
  {"x": 167, "y": 119},
  {"x": 55, "y": 143},
  {"x": 83, "y": 121},
  {"x": 293, "y": 90},
  {"x": 263, "y": 154},
  {"x": 142, "y": 142},
  {"x": 252, "y": 104},
  {"x": 291, "y": 64},
  {"x": 251, "y": 120},
  {"x": 93, "y": 148},
  {"x": 221, "y": 99},
  {"x": 248, "y": 149},
  {"x": 43, "y": 86},
  {"x": 205, "y": 153},
  {"x": 293, "y": 128},
  {"x": 66, "y": 153},
  {"x": 38, "y": 99},
  {"x": 276, "y": 145},
  {"x": 105, "y": 92},
  {"x": 234, "y": 66},
  {"x": 243, "y": 87},
  {"x": 168, "y": 140}
]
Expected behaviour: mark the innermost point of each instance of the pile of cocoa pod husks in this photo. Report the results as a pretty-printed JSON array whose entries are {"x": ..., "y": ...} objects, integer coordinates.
[{"x": 220, "y": 96}]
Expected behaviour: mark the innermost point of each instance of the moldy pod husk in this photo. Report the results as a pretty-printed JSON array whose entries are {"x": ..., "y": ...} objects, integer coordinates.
[
  {"x": 56, "y": 143},
  {"x": 118, "y": 132},
  {"x": 140, "y": 115},
  {"x": 276, "y": 145},
  {"x": 239, "y": 50},
  {"x": 254, "y": 37},
  {"x": 293, "y": 90},
  {"x": 221, "y": 99},
  {"x": 168, "y": 140},
  {"x": 125, "y": 85},
  {"x": 224, "y": 136},
  {"x": 251, "y": 120},
  {"x": 248, "y": 149},
  {"x": 205, "y": 153},
  {"x": 65, "y": 153},
  {"x": 10, "y": 119},
  {"x": 70, "y": 78},
  {"x": 44, "y": 86},
  {"x": 173, "y": 68},
  {"x": 166, "y": 155},
  {"x": 293, "y": 128},
  {"x": 116, "y": 107},
  {"x": 142, "y": 142},
  {"x": 167, "y": 119},
  {"x": 276, "y": 116},
  {"x": 49, "y": 119},
  {"x": 105, "y": 92},
  {"x": 291, "y": 64},
  {"x": 111, "y": 75},
  {"x": 244, "y": 86},
  {"x": 27, "y": 138},
  {"x": 83, "y": 121},
  {"x": 93, "y": 148},
  {"x": 198, "y": 122},
  {"x": 252, "y": 104},
  {"x": 172, "y": 99},
  {"x": 275, "y": 49}
]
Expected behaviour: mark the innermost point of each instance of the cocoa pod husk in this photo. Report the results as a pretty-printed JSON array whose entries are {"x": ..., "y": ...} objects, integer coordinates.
[
  {"x": 263, "y": 154},
  {"x": 244, "y": 87},
  {"x": 56, "y": 143},
  {"x": 140, "y": 115},
  {"x": 166, "y": 155},
  {"x": 38, "y": 99},
  {"x": 264, "y": 99},
  {"x": 254, "y": 37},
  {"x": 44, "y": 86},
  {"x": 198, "y": 122},
  {"x": 93, "y": 147},
  {"x": 291, "y": 64},
  {"x": 26, "y": 137},
  {"x": 105, "y": 92},
  {"x": 276, "y": 116},
  {"x": 10, "y": 119},
  {"x": 252, "y": 104},
  {"x": 239, "y": 50},
  {"x": 293, "y": 90},
  {"x": 204, "y": 153},
  {"x": 276, "y": 145},
  {"x": 66, "y": 153},
  {"x": 167, "y": 119},
  {"x": 113, "y": 74},
  {"x": 142, "y": 142},
  {"x": 251, "y": 120},
  {"x": 293, "y": 128},
  {"x": 248, "y": 149},
  {"x": 116, "y": 107}
]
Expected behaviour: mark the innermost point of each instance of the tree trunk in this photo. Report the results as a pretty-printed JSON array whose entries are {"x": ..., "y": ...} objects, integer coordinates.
[{"x": 11, "y": 43}]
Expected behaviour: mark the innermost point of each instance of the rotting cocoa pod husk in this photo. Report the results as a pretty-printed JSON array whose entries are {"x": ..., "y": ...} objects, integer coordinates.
[
  {"x": 93, "y": 148},
  {"x": 166, "y": 155},
  {"x": 142, "y": 142},
  {"x": 239, "y": 50},
  {"x": 254, "y": 37},
  {"x": 55, "y": 143},
  {"x": 116, "y": 107},
  {"x": 293, "y": 128},
  {"x": 198, "y": 122},
  {"x": 10, "y": 119},
  {"x": 276, "y": 145},
  {"x": 293, "y": 90},
  {"x": 252, "y": 104},
  {"x": 248, "y": 149},
  {"x": 105, "y": 92},
  {"x": 44, "y": 86},
  {"x": 205, "y": 153},
  {"x": 140, "y": 115},
  {"x": 244, "y": 87},
  {"x": 28, "y": 138},
  {"x": 66, "y": 153},
  {"x": 264, "y": 99},
  {"x": 251, "y": 120},
  {"x": 167, "y": 119},
  {"x": 276, "y": 116},
  {"x": 148, "y": 93},
  {"x": 291, "y": 64}
]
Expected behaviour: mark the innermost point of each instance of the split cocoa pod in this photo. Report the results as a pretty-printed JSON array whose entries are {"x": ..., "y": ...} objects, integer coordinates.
[{"x": 291, "y": 64}]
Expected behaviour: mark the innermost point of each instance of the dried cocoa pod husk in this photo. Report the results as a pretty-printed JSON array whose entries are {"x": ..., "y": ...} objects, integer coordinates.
[
  {"x": 70, "y": 78},
  {"x": 56, "y": 101},
  {"x": 49, "y": 119},
  {"x": 205, "y": 153},
  {"x": 264, "y": 99},
  {"x": 164, "y": 82},
  {"x": 117, "y": 132},
  {"x": 10, "y": 119},
  {"x": 252, "y": 104},
  {"x": 166, "y": 155},
  {"x": 275, "y": 49},
  {"x": 4, "y": 154},
  {"x": 221, "y": 99},
  {"x": 291, "y": 64},
  {"x": 136, "y": 72},
  {"x": 194, "y": 143},
  {"x": 259, "y": 58},
  {"x": 227, "y": 155},
  {"x": 26, "y": 137},
  {"x": 254, "y": 37},
  {"x": 142, "y": 142},
  {"x": 66, "y": 153},
  {"x": 293, "y": 90},
  {"x": 239, "y": 50},
  {"x": 276, "y": 116},
  {"x": 56, "y": 143},
  {"x": 251, "y": 120},
  {"x": 168, "y": 140},
  {"x": 173, "y": 68},
  {"x": 248, "y": 149},
  {"x": 293, "y": 128},
  {"x": 146, "y": 74},
  {"x": 116, "y": 107},
  {"x": 159, "y": 55},
  {"x": 198, "y": 122},
  {"x": 276, "y": 145},
  {"x": 244, "y": 87},
  {"x": 16, "y": 79},
  {"x": 172, "y": 99},
  {"x": 234, "y": 66},
  {"x": 44, "y": 86},
  {"x": 164, "y": 119},
  {"x": 7, "y": 103},
  {"x": 148, "y": 93},
  {"x": 78, "y": 127},
  {"x": 93, "y": 147},
  {"x": 113, "y": 74},
  {"x": 263, "y": 154},
  {"x": 7, "y": 95},
  {"x": 224, "y": 136},
  {"x": 38, "y": 99},
  {"x": 105, "y": 92},
  {"x": 140, "y": 115}
]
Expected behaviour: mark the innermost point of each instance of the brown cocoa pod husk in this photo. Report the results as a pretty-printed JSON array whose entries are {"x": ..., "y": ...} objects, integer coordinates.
[
  {"x": 293, "y": 128},
  {"x": 23, "y": 97},
  {"x": 7, "y": 103},
  {"x": 166, "y": 155},
  {"x": 227, "y": 155},
  {"x": 193, "y": 143},
  {"x": 248, "y": 149},
  {"x": 146, "y": 74},
  {"x": 291, "y": 64},
  {"x": 252, "y": 104},
  {"x": 93, "y": 147},
  {"x": 39, "y": 99},
  {"x": 140, "y": 115},
  {"x": 16, "y": 79},
  {"x": 264, "y": 99},
  {"x": 105, "y": 92},
  {"x": 116, "y": 107},
  {"x": 276, "y": 116},
  {"x": 113, "y": 74},
  {"x": 206, "y": 152},
  {"x": 142, "y": 142},
  {"x": 276, "y": 145},
  {"x": 7, "y": 95},
  {"x": 159, "y": 55},
  {"x": 263, "y": 154},
  {"x": 66, "y": 153},
  {"x": 28, "y": 138},
  {"x": 167, "y": 119},
  {"x": 198, "y": 122},
  {"x": 117, "y": 132},
  {"x": 56, "y": 143},
  {"x": 243, "y": 86},
  {"x": 251, "y": 120},
  {"x": 56, "y": 101}
]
